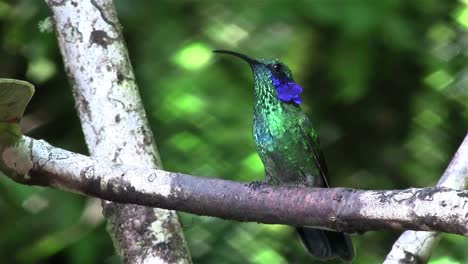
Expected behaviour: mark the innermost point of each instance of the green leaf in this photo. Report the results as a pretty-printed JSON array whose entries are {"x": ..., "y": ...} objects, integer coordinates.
[{"x": 14, "y": 97}]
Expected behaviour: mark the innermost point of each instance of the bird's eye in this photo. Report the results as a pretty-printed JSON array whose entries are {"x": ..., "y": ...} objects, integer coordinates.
[{"x": 276, "y": 67}]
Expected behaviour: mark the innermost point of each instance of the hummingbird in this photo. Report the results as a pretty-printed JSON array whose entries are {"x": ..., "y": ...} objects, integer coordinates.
[{"x": 289, "y": 147}]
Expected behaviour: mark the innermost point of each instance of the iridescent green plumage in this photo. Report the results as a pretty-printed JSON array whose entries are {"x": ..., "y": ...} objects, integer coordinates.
[
  {"x": 288, "y": 146},
  {"x": 283, "y": 135}
]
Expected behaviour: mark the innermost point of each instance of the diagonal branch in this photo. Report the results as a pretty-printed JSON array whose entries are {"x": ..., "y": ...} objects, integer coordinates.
[
  {"x": 114, "y": 123},
  {"x": 432, "y": 209},
  {"x": 416, "y": 247}
]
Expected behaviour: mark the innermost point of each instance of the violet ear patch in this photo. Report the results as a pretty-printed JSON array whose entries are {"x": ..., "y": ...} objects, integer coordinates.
[{"x": 287, "y": 91}]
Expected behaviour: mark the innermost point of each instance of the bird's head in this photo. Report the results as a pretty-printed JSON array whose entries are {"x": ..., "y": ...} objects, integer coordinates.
[{"x": 272, "y": 78}]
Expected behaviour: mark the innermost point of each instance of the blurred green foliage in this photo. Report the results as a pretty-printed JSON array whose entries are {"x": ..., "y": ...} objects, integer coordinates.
[{"x": 385, "y": 84}]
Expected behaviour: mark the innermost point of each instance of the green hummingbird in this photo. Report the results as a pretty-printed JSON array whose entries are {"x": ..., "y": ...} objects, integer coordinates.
[{"x": 289, "y": 146}]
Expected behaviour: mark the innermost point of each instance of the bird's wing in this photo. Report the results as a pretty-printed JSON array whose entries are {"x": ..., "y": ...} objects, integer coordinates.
[{"x": 313, "y": 144}]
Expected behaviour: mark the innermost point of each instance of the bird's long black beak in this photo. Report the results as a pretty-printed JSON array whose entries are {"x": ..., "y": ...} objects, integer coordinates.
[{"x": 239, "y": 55}]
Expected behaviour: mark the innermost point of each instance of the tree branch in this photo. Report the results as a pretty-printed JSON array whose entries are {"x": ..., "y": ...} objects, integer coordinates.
[
  {"x": 114, "y": 123},
  {"x": 432, "y": 209},
  {"x": 416, "y": 247}
]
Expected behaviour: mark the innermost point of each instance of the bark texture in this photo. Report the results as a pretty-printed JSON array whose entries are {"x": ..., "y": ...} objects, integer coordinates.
[
  {"x": 114, "y": 123},
  {"x": 416, "y": 247},
  {"x": 349, "y": 210}
]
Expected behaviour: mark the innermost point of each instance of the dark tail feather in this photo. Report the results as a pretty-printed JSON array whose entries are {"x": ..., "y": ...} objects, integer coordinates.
[{"x": 324, "y": 244}]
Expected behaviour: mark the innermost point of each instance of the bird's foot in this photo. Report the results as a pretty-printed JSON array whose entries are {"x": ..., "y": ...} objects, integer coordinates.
[
  {"x": 256, "y": 184},
  {"x": 300, "y": 183}
]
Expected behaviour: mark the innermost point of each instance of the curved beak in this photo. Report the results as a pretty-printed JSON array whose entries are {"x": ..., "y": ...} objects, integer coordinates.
[{"x": 239, "y": 55}]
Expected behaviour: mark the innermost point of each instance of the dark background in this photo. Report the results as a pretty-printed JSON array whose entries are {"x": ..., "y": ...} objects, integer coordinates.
[{"x": 384, "y": 82}]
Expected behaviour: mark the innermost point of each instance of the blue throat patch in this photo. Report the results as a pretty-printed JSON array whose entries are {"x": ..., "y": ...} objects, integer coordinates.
[{"x": 287, "y": 91}]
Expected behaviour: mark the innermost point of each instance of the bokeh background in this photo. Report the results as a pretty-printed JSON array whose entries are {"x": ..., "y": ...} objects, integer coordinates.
[{"x": 384, "y": 82}]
